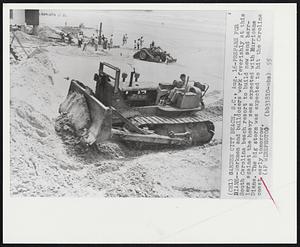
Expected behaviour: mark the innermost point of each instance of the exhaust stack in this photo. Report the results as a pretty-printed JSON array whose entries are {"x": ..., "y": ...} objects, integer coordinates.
[{"x": 131, "y": 77}]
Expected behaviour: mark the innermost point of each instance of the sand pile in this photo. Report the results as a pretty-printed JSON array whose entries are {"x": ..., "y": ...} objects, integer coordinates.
[
  {"x": 24, "y": 36},
  {"x": 216, "y": 108},
  {"x": 39, "y": 162},
  {"x": 75, "y": 145},
  {"x": 46, "y": 33},
  {"x": 72, "y": 126},
  {"x": 194, "y": 172},
  {"x": 76, "y": 108},
  {"x": 27, "y": 42},
  {"x": 67, "y": 29},
  {"x": 32, "y": 80}
]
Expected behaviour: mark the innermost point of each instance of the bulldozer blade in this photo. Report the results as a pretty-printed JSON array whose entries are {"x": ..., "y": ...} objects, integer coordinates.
[{"x": 100, "y": 124}]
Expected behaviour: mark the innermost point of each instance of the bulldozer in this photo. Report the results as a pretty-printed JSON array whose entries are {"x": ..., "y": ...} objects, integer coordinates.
[
  {"x": 123, "y": 110},
  {"x": 154, "y": 54}
]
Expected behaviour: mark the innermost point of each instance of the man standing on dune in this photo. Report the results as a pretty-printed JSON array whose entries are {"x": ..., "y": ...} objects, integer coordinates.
[
  {"x": 111, "y": 42},
  {"x": 141, "y": 42},
  {"x": 124, "y": 40},
  {"x": 80, "y": 38}
]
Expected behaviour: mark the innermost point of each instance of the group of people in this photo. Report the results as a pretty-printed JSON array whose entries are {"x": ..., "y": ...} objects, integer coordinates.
[
  {"x": 138, "y": 44},
  {"x": 107, "y": 43},
  {"x": 80, "y": 39},
  {"x": 152, "y": 44},
  {"x": 83, "y": 41}
]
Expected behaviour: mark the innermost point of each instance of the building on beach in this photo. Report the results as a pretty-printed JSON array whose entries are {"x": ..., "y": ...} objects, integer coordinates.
[{"x": 22, "y": 17}]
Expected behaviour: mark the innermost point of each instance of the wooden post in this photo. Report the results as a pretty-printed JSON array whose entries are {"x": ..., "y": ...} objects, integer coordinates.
[
  {"x": 20, "y": 44},
  {"x": 99, "y": 34},
  {"x": 14, "y": 53},
  {"x": 131, "y": 78}
]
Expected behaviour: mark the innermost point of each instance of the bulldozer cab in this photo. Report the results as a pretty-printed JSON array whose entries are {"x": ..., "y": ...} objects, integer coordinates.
[
  {"x": 107, "y": 85},
  {"x": 113, "y": 92}
]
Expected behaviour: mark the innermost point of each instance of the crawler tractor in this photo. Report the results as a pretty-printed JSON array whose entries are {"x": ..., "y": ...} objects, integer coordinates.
[
  {"x": 154, "y": 54},
  {"x": 126, "y": 111}
]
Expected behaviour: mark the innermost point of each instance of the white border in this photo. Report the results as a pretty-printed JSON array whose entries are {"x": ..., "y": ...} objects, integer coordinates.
[{"x": 92, "y": 220}]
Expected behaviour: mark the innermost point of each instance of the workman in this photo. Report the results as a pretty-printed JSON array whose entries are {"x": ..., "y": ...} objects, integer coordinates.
[
  {"x": 152, "y": 44},
  {"x": 62, "y": 36},
  {"x": 85, "y": 42},
  {"x": 179, "y": 87},
  {"x": 141, "y": 42},
  {"x": 69, "y": 37},
  {"x": 80, "y": 39},
  {"x": 65, "y": 38},
  {"x": 110, "y": 45},
  {"x": 124, "y": 40},
  {"x": 93, "y": 39},
  {"x": 105, "y": 43}
]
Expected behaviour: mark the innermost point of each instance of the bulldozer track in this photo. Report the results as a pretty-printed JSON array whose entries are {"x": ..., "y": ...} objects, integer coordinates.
[{"x": 158, "y": 120}]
